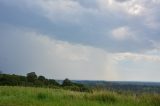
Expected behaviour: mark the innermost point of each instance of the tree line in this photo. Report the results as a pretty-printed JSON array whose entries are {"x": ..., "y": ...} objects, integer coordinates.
[{"x": 32, "y": 80}]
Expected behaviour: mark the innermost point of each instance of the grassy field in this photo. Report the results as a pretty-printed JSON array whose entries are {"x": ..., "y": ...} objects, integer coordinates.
[{"x": 28, "y": 96}]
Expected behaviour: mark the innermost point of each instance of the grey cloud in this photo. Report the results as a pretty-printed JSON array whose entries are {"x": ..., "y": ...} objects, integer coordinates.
[
  {"x": 122, "y": 0},
  {"x": 75, "y": 39},
  {"x": 89, "y": 22},
  {"x": 22, "y": 51},
  {"x": 25, "y": 51}
]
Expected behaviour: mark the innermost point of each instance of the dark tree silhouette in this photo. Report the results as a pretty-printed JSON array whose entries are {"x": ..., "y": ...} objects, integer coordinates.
[
  {"x": 67, "y": 82},
  {"x": 53, "y": 82},
  {"x": 33, "y": 81},
  {"x": 31, "y": 77},
  {"x": 42, "y": 78}
]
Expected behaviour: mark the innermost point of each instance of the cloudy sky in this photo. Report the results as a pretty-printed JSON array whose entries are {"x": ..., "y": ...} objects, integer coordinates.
[{"x": 115, "y": 40}]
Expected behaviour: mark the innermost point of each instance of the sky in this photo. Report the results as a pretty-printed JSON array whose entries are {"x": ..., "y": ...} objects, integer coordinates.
[{"x": 111, "y": 40}]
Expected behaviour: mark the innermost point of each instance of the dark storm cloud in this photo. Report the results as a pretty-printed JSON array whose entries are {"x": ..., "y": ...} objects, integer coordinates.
[{"x": 88, "y": 22}]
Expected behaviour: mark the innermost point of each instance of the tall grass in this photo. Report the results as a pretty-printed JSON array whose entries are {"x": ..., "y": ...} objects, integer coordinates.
[{"x": 28, "y": 96}]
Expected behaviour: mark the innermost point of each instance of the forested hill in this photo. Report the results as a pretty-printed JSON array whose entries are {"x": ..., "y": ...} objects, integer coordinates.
[
  {"x": 32, "y": 80},
  {"x": 153, "y": 87}
]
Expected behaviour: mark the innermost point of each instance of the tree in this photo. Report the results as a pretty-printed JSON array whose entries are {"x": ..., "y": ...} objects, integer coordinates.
[
  {"x": 41, "y": 78},
  {"x": 53, "y": 82},
  {"x": 6, "y": 79},
  {"x": 41, "y": 81},
  {"x": 67, "y": 82},
  {"x": 31, "y": 77}
]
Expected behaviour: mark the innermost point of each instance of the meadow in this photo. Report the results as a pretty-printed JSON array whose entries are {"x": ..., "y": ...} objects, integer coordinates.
[{"x": 31, "y": 96}]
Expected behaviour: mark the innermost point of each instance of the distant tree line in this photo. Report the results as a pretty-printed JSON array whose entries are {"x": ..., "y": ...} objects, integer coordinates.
[{"x": 32, "y": 80}]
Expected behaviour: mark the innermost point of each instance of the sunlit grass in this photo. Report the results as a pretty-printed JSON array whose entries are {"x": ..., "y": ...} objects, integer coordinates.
[{"x": 29, "y": 96}]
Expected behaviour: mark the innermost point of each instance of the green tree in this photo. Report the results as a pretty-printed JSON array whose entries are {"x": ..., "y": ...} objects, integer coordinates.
[
  {"x": 53, "y": 82},
  {"x": 67, "y": 82},
  {"x": 31, "y": 77},
  {"x": 42, "y": 78}
]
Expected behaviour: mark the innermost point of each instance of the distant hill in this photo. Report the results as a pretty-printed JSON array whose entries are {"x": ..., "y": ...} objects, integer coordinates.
[{"x": 123, "y": 85}]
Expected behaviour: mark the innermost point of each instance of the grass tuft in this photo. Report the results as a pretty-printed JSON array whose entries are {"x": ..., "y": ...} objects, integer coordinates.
[
  {"x": 102, "y": 97},
  {"x": 155, "y": 100},
  {"x": 41, "y": 96}
]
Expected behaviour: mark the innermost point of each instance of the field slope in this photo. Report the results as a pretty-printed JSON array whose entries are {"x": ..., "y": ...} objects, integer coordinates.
[{"x": 29, "y": 96}]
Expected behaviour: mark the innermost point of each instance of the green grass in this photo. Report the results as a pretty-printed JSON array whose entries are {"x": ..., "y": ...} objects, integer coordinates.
[{"x": 28, "y": 96}]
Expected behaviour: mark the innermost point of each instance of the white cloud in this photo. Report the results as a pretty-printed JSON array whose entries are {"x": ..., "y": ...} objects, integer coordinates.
[
  {"x": 136, "y": 67},
  {"x": 135, "y": 9},
  {"x": 130, "y": 7},
  {"x": 26, "y": 51},
  {"x": 122, "y": 33},
  {"x": 137, "y": 57}
]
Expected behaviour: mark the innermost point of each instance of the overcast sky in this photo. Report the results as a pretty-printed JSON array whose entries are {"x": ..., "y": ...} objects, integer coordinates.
[{"x": 115, "y": 40}]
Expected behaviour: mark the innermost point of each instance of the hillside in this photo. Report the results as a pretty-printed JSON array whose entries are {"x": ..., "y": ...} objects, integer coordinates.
[
  {"x": 149, "y": 87},
  {"x": 29, "y": 96}
]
